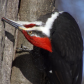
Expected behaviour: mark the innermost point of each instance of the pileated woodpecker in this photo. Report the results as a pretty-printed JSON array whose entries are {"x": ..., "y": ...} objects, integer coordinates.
[{"x": 60, "y": 43}]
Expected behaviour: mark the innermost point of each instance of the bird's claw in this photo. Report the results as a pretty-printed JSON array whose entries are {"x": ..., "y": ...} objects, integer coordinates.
[{"x": 23, "y": 49}]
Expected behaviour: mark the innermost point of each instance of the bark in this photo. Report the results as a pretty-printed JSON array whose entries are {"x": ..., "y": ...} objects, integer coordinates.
[
  {"x": 23, "y": 70},
  {"x": 8, "y": 9}
]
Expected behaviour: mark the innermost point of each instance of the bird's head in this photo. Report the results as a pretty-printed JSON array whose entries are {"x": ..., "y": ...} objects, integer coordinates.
[{"x": 34, "y": 32}]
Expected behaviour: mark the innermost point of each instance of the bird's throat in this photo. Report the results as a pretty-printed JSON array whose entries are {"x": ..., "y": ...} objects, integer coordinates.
[{"x": 42, "y": 42}]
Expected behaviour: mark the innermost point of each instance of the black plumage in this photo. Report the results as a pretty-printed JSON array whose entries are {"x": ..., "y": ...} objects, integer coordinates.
[{"x": 64, "y": 64}]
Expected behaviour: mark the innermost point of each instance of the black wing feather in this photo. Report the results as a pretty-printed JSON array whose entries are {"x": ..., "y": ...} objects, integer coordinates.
[
  {"x": 65, "y": 61},
  {"x": 67, "y": 44},
  {"x": 66, "y": 37}
]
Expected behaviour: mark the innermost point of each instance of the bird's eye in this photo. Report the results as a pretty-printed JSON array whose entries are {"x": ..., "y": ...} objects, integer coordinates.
[{"x": 30, "y": 32}]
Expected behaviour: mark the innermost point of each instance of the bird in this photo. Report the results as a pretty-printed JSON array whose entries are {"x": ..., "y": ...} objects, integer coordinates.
[{"x": 60, "y": 44}]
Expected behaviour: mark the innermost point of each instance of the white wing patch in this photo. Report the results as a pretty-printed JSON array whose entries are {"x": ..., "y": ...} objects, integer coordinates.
[{"x": 50, "y": 71}]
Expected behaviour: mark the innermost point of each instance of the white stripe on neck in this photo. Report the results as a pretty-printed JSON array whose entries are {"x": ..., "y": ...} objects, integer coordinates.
[{"x": 49, "y": 23}]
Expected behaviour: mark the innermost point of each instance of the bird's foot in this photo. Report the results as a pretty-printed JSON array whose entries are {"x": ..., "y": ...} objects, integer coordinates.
[{"x": 23, "y": 49}]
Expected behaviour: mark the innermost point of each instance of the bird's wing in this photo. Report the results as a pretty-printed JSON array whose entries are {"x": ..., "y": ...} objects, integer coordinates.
[
  {"x": 66, "y": 38},
  {"x": 62, "y": 72},
  {"x": 67, "y": 44}
]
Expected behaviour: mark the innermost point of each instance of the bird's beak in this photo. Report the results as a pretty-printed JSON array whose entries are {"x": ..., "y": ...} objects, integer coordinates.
[
  {"x": 22, "y": 27},
  {"x": 13, "y": 23}
]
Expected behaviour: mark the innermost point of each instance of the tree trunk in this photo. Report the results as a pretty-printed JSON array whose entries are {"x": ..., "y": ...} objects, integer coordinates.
[
  {"x": 23, "y": 70},
  {"x": 8, "y": 9}
]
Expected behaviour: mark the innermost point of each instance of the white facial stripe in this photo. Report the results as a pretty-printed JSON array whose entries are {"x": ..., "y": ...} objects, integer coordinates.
[
  {"x": 35, "y": 28},
  {"x": 49, "y": 23},
  {"x": 45, "y": 29},
  {"x": 50, "y": 20},
  {"x": 21, "y": 23},
  {"x": 25, "y": 22}
]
